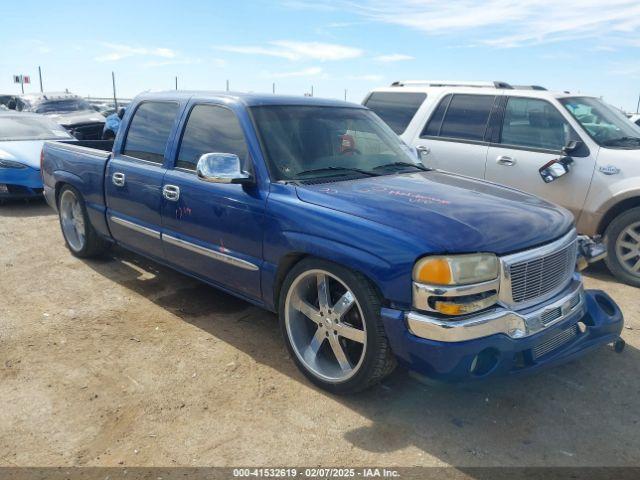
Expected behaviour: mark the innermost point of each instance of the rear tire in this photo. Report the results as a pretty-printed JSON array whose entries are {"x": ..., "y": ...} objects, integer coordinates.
[
  {"x": 337, "y": 340},
  {"x": 623, "y": 247},
  {"x": 81, "y": 238}
]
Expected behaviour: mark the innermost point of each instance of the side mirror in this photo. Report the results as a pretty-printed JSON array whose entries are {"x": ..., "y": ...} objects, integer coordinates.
[
  {"x": 120, "y": 113},
  {"x": 571, "y": 146},
  {"x": 221, "y": 168},
  {"x": 555, "y": 169}
]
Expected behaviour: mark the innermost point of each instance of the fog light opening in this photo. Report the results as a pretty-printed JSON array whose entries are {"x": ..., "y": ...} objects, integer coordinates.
[
  {"x": 582, "y": 327},
  {"x": 606, "y": 305},
  {"x": 484, "y": 362}
]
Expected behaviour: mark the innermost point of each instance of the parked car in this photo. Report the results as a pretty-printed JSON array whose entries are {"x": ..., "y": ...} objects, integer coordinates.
[
  {"x": 71, "y": 111},
  {"x": 112, "y": 124},
  {"x": 11, "y": 102},
  {"x": 314, "y": 209},
  {"x": 507, "y": 135},
  {"x": 22, "y": 136},
  {"x": 635, "y": 119}
]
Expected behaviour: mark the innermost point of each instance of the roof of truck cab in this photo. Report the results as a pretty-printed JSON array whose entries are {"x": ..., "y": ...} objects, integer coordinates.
[{"x": 248, "y": 99}]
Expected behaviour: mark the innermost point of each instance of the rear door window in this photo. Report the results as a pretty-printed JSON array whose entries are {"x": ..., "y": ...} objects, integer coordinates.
[
  {"x": 396, "y": 108},
  {"x": 211, "y": 129},
  {"x": 149, "y": 131},
  {"x": 466, "y": 117},
  {"x": 432, "y": 129}
]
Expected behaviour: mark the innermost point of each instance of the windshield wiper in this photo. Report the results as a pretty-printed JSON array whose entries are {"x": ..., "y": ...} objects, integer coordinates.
[
  {"x": 419, "y": 166},
  {"x": 618, "y": 141},
  {"x": 339, "y": 169}
]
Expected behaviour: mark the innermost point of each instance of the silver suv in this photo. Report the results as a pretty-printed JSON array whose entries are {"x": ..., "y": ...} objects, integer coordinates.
[{"x": 573, "y": 150}]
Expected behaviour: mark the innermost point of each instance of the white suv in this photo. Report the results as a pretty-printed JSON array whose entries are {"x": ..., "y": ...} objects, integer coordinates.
[{"x": 513, "y": 134}]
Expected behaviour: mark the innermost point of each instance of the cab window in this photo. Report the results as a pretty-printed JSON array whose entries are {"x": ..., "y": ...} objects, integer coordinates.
[
  {"x": 149, "y": 131},
  {"x": 534, "y": 123},
  {"x": 211, "y": 129}
]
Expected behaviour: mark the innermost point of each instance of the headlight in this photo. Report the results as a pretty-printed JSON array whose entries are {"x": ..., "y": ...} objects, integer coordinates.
[
  {"x": 456, "y": 269},
  {"x": 11, "y": 164}
]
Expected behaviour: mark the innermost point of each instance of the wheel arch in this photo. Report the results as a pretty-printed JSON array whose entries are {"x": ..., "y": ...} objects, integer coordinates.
[
  {"x": 617, "y": 209},
  {"x": 290, "y": 260}
]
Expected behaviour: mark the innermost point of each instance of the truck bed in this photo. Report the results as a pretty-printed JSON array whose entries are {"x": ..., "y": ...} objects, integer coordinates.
[{"x": 81, "y": 164}]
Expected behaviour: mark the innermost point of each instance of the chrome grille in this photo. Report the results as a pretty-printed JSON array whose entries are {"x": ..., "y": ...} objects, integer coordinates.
[
  {"x": 536, "y": 277},
  {"x": 555, "y": 342}
]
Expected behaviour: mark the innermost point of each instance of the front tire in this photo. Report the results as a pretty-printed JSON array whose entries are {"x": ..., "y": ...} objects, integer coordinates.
[
  {"x": 330, "y": 321},
  {"x": 623, "y": 247},
  {"x": 81, "y": 238}
]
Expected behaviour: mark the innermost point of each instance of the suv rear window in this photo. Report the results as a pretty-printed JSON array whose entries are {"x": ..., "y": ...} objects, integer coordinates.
[
  {"x": 395, "y": 108},
  {"x": 465, "y": 118},
  {"x": 149, "y": 131}
]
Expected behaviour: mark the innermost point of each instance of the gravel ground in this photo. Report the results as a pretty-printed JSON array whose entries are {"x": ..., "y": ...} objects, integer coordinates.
[{"x": 122, "y": 361}]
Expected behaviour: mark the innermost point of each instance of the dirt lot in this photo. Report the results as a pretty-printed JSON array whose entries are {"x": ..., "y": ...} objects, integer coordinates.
[{"x": 124, "y": 362}]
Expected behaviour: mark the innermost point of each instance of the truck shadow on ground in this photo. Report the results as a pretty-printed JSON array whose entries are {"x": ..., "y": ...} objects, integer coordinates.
[
  {"x": 582, "y": 413},
  {"x": 35, "y": 207}
]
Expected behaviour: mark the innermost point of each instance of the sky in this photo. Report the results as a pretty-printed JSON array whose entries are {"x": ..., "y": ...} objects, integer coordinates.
[{"x": 584, "y": 46}]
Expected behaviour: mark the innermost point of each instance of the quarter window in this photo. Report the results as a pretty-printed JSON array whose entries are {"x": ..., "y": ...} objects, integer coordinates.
[
  {"x": 149, "y": 131},
  {"x": 395, "y": 108},
  {"x": 465, "y": 118},
  {"x": 211, "y": 129},
  {"x": 534, "y": 123}
]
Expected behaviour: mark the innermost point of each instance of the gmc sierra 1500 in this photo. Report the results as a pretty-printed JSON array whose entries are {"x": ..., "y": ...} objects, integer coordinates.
[{"x": 316, "y": 210}]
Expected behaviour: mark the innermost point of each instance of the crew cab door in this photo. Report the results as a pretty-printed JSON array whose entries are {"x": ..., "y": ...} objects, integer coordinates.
[
  {"x": 533, "y": 132},
  {"x": 213, "y": 230},
  {"x": 454, "y": 137},
  {"x": 133, "y": 178}
]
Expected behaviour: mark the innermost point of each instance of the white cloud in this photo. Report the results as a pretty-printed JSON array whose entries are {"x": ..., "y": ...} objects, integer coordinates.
[
  {"x": 504, "y": 23},
  {"x": 119, "y": 51},
  {"x": 294, "y": 51},
  {"x": 394, "y": 57},
  {"x": 307, "y": 72}
]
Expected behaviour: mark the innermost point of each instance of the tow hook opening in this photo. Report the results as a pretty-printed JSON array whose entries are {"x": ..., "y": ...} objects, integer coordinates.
[
  {"x": 605, "y": 304},
  {"x": 484, "y": 362}
]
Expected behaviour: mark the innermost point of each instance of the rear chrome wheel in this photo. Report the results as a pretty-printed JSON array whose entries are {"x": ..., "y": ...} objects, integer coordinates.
[
  {"x": 330, "y": 320},
  {"x": 72, "y": 221},
  {"x": 79, "y": 235}
]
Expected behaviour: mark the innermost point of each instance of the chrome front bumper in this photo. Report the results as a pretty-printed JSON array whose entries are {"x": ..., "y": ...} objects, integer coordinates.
[{"x": 570, "y": 301}]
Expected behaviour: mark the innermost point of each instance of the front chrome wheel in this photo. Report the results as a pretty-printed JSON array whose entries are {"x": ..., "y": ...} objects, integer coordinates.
[
  {"x": 72, "y": 220},
  {"x": 325, "y": 326},
  {"x": 628, "y": 248}
]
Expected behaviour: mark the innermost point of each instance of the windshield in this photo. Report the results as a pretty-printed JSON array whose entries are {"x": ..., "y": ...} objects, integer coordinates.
[
  {"x": 61, "y": 106},
  {"x": 606, "y": 125},
  {"x": 27, "y": 127},
  {"x": 309, "y": 142}
]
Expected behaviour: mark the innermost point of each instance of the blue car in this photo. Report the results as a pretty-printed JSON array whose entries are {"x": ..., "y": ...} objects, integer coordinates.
[
  {"x": 315, "y": 209},
  {"x": 21, "y": 138}
]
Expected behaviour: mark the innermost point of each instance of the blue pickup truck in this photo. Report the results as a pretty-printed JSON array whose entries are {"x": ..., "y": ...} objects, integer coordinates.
[{"x": 315, "y": 209}]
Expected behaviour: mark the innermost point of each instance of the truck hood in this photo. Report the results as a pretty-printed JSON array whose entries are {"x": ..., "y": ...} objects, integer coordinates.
[
  {"x": 453, "y": 214},
  {"x": 76, "y": 118}
]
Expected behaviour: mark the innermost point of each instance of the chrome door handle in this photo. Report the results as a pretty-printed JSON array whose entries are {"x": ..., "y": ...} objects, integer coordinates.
[
  {"x": 423, "y": 150},
  {"x": 171, "y": 192},
  {"x": 118, "y": 179},
  {"x": 506, "y": 161}
]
